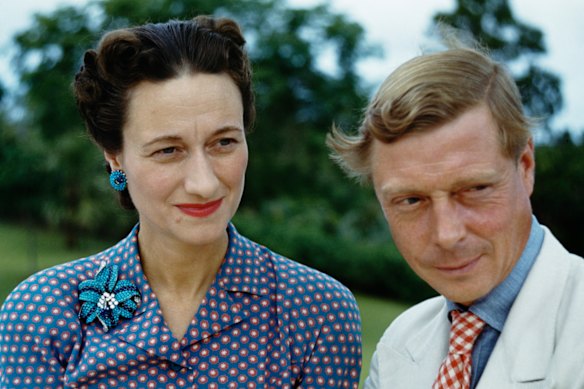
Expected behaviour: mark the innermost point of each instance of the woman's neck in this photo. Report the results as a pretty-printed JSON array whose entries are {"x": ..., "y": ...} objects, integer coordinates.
[
  {"x": 180, "y": 268},
  {"x": 180, "y": 276}
]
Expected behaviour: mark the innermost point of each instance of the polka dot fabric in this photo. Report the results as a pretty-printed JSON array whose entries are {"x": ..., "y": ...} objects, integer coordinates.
[{"x": 266, "y": 322}]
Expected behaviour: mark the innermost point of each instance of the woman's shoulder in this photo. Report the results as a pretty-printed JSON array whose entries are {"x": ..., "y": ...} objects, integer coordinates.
[
  {"x": 53, "y": 286},
  {"x": 300, "y": 285},
  {"x": 304, "y": 279},
  {"x": 312, "y": 292},
  {"x": 62, "y": 280},
  {"x": 292, "y": 275},
  {"x": 319, "y": 314},
  {"x": 40, "y": 318}
]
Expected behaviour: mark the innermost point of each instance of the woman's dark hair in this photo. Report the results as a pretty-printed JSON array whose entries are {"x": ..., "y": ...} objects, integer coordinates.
[{"x": 155, "y": 52}]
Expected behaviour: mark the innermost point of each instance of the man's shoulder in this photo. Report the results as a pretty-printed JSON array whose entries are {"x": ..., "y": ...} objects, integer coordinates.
[
  {"x": 552, "y": 247},
  {"x": 413, "y": 320},
  {"x": 557, "y": 264},
  {"x": 565, "y": 272}
]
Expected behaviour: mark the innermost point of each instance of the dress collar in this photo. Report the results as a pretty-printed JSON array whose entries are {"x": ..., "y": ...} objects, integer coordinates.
[{"x": 246, "y": 268}]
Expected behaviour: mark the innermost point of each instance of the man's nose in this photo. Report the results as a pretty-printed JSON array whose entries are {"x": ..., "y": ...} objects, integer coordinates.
[{"x": 448, "y": 223}]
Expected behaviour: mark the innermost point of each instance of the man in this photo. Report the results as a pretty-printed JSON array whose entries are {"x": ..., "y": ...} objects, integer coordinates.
[{"x": 448, "y": 151}]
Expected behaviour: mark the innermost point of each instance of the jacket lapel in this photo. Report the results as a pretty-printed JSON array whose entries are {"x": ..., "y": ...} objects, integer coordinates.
[
  {"x": 522, "y": 357},
  {"x": 526, "y": 345},
  {"x": 416, "y": 364}
]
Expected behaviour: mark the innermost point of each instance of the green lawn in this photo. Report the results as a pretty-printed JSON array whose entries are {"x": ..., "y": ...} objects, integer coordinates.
[{"x": 25, "y": 250}]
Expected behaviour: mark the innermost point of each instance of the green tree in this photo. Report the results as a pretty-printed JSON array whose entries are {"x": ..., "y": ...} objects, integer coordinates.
[
  {"x": 296, "y": 200},
  {"x": 22, "y": 174},
  {"x": 48, "y": 55},
  {"x": 494, "y": 25},
  {"x": 22, "y": 169},
  {"x": 559, "y": 189},
  {"x": 296, "y": 99}
]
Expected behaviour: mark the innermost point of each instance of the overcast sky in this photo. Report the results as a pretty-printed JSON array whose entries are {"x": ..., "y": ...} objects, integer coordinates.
[{"x": 400, "y": 27}]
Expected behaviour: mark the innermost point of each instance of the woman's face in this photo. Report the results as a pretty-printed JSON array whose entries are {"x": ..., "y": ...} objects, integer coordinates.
[{"x": 185, "y": 156}]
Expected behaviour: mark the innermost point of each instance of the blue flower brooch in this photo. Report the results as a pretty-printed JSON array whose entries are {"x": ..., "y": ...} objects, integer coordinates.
[{"x": 107, "y": 299}]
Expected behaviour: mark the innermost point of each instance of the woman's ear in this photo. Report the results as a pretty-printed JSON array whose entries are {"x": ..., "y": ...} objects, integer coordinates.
[{"x": 113, "y": 160}]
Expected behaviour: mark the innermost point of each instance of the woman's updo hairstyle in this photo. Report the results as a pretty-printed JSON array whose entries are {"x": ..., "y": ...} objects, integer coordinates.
[{"x": 155, "y": 52}]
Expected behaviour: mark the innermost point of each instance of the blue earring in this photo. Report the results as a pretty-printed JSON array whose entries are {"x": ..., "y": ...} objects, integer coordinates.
[{"x": 118, "y": 180}]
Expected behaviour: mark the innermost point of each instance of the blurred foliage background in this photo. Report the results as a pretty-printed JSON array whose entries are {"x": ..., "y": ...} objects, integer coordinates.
[{"x": 296, "y": 201}]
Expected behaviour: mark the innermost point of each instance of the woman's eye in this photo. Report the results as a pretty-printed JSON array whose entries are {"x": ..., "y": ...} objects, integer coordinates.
[
  {"x": 226, "y": 141},
  {"x": 165, "y": 152},
  {"x": 224, "y": 145}
]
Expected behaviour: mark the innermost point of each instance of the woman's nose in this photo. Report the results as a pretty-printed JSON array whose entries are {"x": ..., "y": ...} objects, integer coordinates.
[{"x": 200, "y": 176}]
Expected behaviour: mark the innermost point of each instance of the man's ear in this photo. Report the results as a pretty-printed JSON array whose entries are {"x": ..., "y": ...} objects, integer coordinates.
[
  {"x": 113, "y": 160},
  {"x": 527, "y": 166}
]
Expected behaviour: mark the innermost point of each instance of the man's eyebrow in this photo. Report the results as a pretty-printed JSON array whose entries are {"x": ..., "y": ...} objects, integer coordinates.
[{"x": 391, "y": 188}]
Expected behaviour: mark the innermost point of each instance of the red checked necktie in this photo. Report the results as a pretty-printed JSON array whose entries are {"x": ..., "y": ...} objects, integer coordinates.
[{"x": 455, "y": 370}]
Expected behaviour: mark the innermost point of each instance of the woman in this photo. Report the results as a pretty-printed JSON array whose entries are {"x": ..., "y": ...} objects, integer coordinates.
[{"x": 184, "y": 300}]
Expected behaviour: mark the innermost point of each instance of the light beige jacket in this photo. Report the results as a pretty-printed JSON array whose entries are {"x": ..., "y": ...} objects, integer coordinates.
[{"x": 541, "y": 346}]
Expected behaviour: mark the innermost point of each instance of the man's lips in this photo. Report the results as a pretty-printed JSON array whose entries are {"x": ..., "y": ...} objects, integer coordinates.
[
  {"x": 200, "y": 210},
  {"x": 461, "y": 267}
]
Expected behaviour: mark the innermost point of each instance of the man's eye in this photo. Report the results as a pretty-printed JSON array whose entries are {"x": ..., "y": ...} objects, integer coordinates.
[
  {"x": 410, "y": 201},
  {"x": 478, "y": 189},
  {"x": 167, "y": 150}
]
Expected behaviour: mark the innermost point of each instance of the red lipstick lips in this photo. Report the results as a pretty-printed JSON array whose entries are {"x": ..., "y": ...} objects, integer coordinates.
[{"x": 200, "y": 210}]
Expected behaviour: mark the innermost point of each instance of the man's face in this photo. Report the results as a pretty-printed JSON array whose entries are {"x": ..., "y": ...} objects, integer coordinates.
[{"x": 457, "y": 207}]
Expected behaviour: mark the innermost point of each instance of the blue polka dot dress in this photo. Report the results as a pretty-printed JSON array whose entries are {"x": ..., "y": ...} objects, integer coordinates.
[{"x": 265, "y": 322}]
